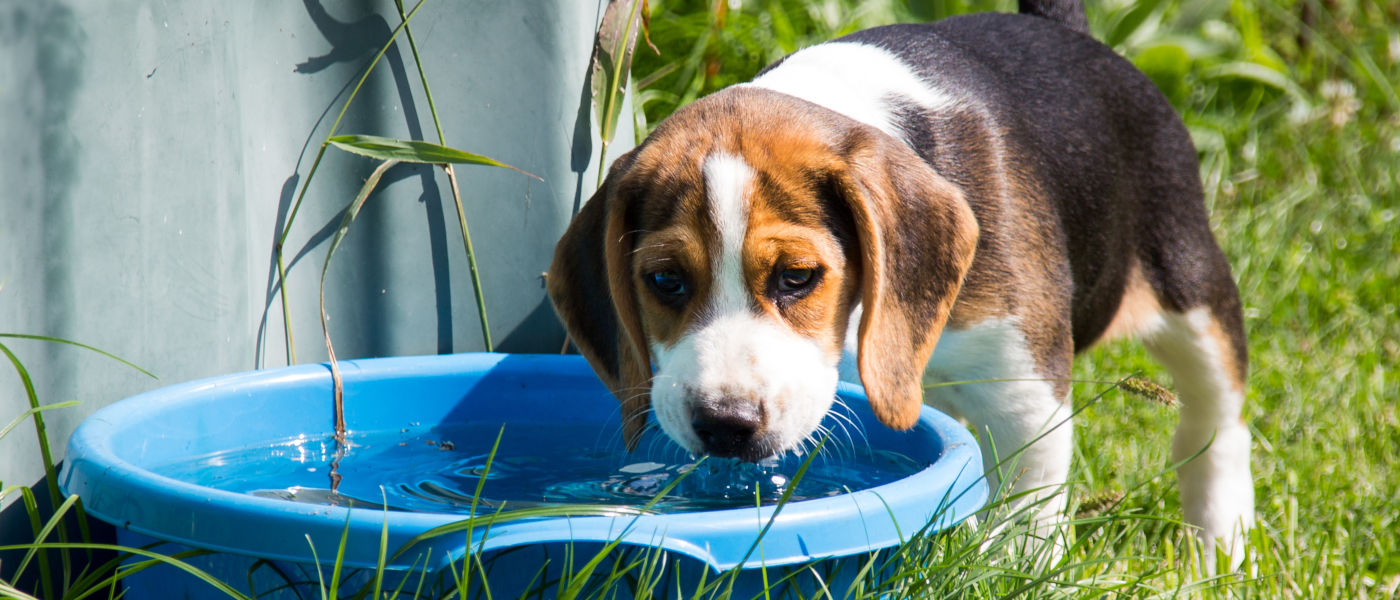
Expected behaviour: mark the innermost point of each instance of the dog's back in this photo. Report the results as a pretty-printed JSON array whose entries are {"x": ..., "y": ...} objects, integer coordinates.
[{"x": 1058, "y": 116}]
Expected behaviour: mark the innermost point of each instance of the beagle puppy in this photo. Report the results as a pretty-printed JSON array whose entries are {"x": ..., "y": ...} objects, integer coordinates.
[{"x": 975, "y": 199}]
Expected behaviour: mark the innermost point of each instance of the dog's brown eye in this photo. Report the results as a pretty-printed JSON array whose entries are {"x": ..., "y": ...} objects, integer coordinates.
[
  {"x": 791, "y": 280},
  {"x": 668, "y": 283}
]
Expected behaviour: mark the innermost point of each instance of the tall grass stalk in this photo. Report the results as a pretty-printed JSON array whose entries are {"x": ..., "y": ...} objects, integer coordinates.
[
  {"x": 406, "y": 151},
  {"x": 452, "y": 179},
  {"x": 345, "y": 221},
  {"x": 385, "y": 149},
  {"x": 391, "y": 152},
  {"x": 279, "y": 246},
  {"x": 615, "y": 43}
]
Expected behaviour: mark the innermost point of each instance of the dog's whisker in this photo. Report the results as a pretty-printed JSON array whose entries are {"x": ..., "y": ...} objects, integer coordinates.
[
  {"x": 834, "y": 449},
  {"x": 657, "y": 446},
  {"x": 841, "y": 434},
  {"x": 842, "y": 411},
  {"x": 839, "y": 439},
  {"x": 800, "y": 448},
  {"x": 850, "y": 424},
  {"x": 642, "y": 415},
  {"x": 812, "y": 441}
]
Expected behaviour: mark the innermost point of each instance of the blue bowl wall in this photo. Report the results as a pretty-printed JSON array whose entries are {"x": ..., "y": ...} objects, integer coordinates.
[{"x": 109, "y": 457}]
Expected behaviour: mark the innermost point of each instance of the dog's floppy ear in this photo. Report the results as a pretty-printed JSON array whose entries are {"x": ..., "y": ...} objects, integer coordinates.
[
  {"x": 590, "y": 284},
  {"x": 917, "y": 237}
]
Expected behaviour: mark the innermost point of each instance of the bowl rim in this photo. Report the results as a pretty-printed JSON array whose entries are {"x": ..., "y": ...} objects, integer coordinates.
[{"x": 130, "y": 496}]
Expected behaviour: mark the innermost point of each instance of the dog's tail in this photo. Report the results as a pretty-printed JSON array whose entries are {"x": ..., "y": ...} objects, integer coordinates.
[{"x": 1069, "y": 13}]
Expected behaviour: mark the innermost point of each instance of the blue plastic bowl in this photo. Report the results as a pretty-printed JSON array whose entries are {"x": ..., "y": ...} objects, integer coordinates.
[{"x": 110, "y": 456}]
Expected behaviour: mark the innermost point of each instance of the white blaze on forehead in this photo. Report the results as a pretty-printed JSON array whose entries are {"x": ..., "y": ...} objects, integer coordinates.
[
  {"x": 728, "y": 182},
  {"x": 862, "y": 82}
]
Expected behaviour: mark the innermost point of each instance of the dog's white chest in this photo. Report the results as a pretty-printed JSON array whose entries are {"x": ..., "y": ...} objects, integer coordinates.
[{"x": 957, "y": 376}]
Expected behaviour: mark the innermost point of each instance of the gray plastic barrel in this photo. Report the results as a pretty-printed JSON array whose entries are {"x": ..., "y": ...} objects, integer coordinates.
[{"x": 150, "y": 152}]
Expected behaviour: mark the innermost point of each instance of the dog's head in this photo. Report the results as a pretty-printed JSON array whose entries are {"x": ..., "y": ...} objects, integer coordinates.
[{"x": 729, "y": 251}]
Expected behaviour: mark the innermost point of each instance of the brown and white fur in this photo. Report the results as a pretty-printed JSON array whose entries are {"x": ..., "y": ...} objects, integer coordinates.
[{"x": 974, "y": 199}]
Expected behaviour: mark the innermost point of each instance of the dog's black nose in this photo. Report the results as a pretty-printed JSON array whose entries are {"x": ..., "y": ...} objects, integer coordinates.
[{"x": 728, "y": 428}]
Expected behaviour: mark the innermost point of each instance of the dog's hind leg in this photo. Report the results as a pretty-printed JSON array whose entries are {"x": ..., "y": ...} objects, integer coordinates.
[
  {"x": 1181, "y": 301},
  {"x": 1202, "y": 350}
]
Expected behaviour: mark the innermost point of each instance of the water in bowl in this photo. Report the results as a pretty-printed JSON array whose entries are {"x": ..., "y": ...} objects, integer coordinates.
[{"x": 438, "y": 470}]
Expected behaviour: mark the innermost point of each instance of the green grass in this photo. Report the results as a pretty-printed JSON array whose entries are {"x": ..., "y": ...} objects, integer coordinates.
[
  {"x": 1304, "y": 203},
  {"x": 1306, "y": 224},
  {"x": 1293, "y": 105}
]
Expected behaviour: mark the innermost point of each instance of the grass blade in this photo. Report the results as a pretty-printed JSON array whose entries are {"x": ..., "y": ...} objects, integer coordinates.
[
  {"x": 1256, "y": 73},
  {"x": 45, "y": 455},
  {"x": 383, "y": 543},
  {"x": 320, "y": 577},
  {"x": 32, "y": 411},
  {"x": 31, "y": 508},
  {"x": 350, "y": 213},
  {"x": 477, "y": 288},
  {"x": 612, "y": 61},
  {"x": 45, "y": 338},
  {"x": 198, "y": 573},
  {"x": 422, "y": 75},
  {"x": 475, "y": 274},
  {"x": 338, "y": 568},
  {"x": 414, "y": 151},
  {"x": 281, "y": 242},
  {"x": 43, "y": 533},
  {"x": 581, "y": 576},
  {"x": 10, "y": 591},
  {"x": 335, "y": 126},
  {"x": 421, "y": 152}
]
